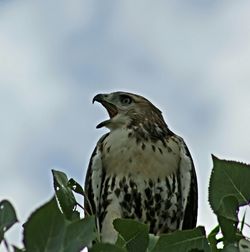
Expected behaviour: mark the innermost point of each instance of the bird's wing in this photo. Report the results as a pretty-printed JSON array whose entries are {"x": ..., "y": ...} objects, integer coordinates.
[
  {"x": 94, "y": 179},
  {"x": 188, "y": 187}
]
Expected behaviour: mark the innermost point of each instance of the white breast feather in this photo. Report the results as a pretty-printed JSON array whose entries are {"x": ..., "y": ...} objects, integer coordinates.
[
  {"x": 122, "y": 155},
  {"x": 125, "y": 156}
]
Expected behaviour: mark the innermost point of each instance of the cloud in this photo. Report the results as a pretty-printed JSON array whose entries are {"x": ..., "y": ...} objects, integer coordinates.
[{"x": 190, "y": 59}]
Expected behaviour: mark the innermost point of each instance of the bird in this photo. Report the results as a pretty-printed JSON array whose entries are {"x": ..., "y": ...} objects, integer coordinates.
[{"x": 139, "y": 170}]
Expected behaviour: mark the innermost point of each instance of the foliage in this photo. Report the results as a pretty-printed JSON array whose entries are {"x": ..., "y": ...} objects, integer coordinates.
[{"x": 57, "y": 225}]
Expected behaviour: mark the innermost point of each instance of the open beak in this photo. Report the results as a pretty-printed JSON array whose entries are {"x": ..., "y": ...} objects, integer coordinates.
[{"x": 111, "y": 108}]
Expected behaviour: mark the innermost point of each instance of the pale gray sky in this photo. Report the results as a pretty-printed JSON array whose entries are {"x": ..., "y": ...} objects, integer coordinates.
[{"x": 190, "y": 58}]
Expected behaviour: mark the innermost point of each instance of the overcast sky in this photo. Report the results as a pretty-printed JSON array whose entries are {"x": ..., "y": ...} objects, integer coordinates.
[{"x": 190, "y": 58}]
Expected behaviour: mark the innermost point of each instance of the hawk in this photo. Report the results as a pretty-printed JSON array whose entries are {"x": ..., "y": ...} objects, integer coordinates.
[{"x": 140, "y": 170}]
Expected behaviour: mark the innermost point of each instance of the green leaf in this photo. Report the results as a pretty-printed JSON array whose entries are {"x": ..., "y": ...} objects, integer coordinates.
[
  {"x": 106, "y": 247},
  {"x": 229, "y": 179},
  {"x": 45, "y": 229},
  {"x": 73, "y": 185},
  {"x": 228, "y": 229},
  {"x": 228, "y": 189},
  {"x": 230, "y": 248},
  {"x": 134, "y": 233},
  {"x": 16, "y": 249},
  {"x": 64, "y": 193},
  {"x": 80, "y": 234},
  {"x": 212, "y": 238},
  {"x": 153, "y": 239},
  {"x": 7, "y": 217},
  {"x": 187, "y": 240},
  {"x": 120, "y": 242},
  {"x": 244, "y": 245}
]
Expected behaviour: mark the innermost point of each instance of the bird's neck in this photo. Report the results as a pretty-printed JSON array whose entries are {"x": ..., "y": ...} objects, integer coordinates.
[{"x": 148, "y": 131}]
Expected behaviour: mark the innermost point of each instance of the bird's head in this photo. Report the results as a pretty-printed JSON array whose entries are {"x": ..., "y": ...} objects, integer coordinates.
[{"x": 129, "y": 110}]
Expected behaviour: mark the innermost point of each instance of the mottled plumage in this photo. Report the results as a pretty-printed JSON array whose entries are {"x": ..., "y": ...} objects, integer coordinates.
[{"x": 140, "y": 170}]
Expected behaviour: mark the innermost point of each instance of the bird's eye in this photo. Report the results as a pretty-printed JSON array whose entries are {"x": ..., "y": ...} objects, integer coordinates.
[{"x": 125, "y": 100}]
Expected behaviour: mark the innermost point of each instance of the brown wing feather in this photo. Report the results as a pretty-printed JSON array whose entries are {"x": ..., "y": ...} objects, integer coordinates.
[
  {"x": 190, "y": 216},
  {"x": 89, "y": 203}
]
